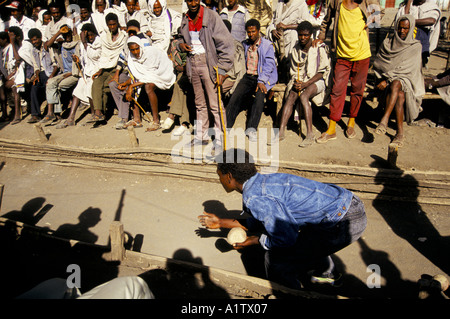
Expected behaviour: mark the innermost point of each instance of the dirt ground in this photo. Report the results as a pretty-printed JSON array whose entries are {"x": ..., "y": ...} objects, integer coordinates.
[{"x": 407, "y": 238}]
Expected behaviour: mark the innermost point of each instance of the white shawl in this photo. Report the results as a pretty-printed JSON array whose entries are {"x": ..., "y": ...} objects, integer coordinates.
[
  {"x": 164, "y": 26},
  {"x": 152, "y": 66},
  {"x": 294, "y": 12},
  {"x": 111, "y": 49},
  {"x": 99, "y": 18}
]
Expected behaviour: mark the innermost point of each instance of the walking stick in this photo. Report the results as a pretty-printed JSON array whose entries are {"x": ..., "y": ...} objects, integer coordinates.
[
  {"x": 298, "y": 75},
  {"x": 221, "y": 111},
  {"x": 134, "y": 100}
]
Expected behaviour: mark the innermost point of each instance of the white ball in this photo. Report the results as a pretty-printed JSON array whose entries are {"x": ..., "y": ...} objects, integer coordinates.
[{"x": 236, "y": 235}]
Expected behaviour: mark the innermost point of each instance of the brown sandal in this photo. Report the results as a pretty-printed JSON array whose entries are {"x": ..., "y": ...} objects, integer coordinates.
[{"x": 153, "y": 127}]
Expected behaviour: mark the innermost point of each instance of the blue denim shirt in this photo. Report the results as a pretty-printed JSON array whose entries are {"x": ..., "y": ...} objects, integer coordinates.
[{"x": 284, "y": 203}]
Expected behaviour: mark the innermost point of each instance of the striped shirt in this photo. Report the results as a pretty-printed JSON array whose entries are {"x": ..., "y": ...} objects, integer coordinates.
[{"x": 252, "y": 58}]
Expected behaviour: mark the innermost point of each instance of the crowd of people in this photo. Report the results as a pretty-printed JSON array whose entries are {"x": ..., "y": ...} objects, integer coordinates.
[{"x": 210, "y": 62}]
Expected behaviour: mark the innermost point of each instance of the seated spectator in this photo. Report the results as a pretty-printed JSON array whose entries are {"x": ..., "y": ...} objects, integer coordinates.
[
  {"x": 261, "y": 75},
  {"x": 149, "y": 67},
  {"x": 237, "y": 15},
  {"x": 310, "y": 69},
  {"x": 121, "y": 76},
  {"x": 19, "y": 19},
  {"x": 427, "y": 15},
  {"x": 400, "y": 76},
  {"x": 66, "y": 80},
  {"x": 112, "y": 44},
  {"x": 53, "y": 32},
  {"x": 118, "y": 7},
  {"x": 44, "y": 69},
  {"x": 164, "y": 23},
  {"x": 90, "y": 52}
]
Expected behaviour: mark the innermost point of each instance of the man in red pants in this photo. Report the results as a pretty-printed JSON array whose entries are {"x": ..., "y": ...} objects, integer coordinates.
[{"x": 350, "y": 44}]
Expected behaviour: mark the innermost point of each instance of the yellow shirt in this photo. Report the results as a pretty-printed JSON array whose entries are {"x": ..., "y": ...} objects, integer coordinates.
[{"x": 353, "y": 42}]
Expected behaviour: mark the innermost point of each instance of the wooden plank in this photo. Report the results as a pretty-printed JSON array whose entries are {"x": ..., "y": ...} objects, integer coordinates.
[{"x": 117, "y": 237}]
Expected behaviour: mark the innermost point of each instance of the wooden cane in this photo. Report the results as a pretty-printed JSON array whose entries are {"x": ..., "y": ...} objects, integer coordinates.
[
  {"x": 298, "y": 75},
  {"x": 221, "y": 111},
  {"x": 133, "y": 80}
]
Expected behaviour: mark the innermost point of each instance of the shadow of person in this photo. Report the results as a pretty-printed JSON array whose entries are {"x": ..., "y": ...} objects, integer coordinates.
[
  {"x": 407, "y": 218},
  {"x": 395, "y": 286},
  {"x": 183, "y": 277},
  {"x": 31, "y": 212},
  {"x": 88, "y": 219}
]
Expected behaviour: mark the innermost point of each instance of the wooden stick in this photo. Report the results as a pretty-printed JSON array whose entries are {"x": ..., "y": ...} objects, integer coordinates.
[
  {"x": 41, "y": 133},
  {"x": 221, "y": 111},
  {"x": 132, "y": 134}
]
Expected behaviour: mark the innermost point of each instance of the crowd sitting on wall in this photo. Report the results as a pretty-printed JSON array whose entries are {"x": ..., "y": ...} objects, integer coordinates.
[{"x": 214, "y": 57}]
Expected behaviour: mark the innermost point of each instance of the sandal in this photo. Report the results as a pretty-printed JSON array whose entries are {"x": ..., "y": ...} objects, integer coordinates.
[
  {"x": 399, "y": 140},
  {"x": 133, "y": 123},
  {"x": 381, "y": 129},
  {"x": 308, "y": 141},
  {"x": 65, "y": 124},
  {"x": 153, "y": 127},
  {"x": 15, "y": 121},
  {"x": 96, "y": 118},
  {"x": 48, "y": 118}
]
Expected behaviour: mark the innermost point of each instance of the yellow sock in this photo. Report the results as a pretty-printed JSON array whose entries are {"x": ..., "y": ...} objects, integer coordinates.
[
  {"x": 331, "y": 128},
  {"x": 351, "y": 122}
]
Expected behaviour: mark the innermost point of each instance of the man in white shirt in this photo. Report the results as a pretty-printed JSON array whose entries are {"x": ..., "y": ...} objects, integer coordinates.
[{"x": 19, "y": 19}]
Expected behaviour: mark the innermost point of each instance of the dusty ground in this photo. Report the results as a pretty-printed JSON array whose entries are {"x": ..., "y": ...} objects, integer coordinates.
[{"x": 406, "y": 238}]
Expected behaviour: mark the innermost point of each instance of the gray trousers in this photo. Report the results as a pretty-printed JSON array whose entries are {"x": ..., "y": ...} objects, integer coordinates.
[
  {"x": 206, "y": 98},
  {"x": 54, "y": 87},
  {"x": 119, "y": 96}
]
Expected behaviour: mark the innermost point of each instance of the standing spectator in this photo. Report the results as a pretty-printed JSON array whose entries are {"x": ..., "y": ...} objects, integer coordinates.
[
  {"x": 237, "y": 15},
  {"x": 164, "y": 23},
  {"x": 133, "y": 14},
  {"x": 209, "y": 48},
  {"x": 427, "y": 15},
  {"x": 350, "y": 44}
]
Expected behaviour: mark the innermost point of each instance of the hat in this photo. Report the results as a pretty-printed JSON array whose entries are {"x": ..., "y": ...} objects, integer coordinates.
[{"x": 15, "y": 5}]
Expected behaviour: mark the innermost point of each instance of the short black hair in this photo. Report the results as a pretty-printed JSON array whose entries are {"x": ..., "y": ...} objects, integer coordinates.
[
  {"x": 89, "y": 27},
  {"x": 16, "y": 30},
  {"x": 305, "y": 26},
  {"x": 253, "y": 23},
  {"x": 4, "y": 35},
  {"x": 111, "y": 16},
  {"x": 34, "y": 33},
  {"x": 238, "y": 162},
  {"x": 134, "y": 23}
]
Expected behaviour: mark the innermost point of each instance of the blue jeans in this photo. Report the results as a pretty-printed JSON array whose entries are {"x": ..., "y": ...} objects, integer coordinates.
[{"x": 313, "y": 248}]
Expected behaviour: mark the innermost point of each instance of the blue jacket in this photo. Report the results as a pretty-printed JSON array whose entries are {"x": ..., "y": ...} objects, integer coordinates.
[
  {"x": 267, "y": 66},
  {"x": 285, "y": 203}
]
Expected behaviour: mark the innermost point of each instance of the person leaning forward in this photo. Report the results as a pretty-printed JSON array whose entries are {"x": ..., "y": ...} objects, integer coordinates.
[{"x": 298, "y": 222}]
